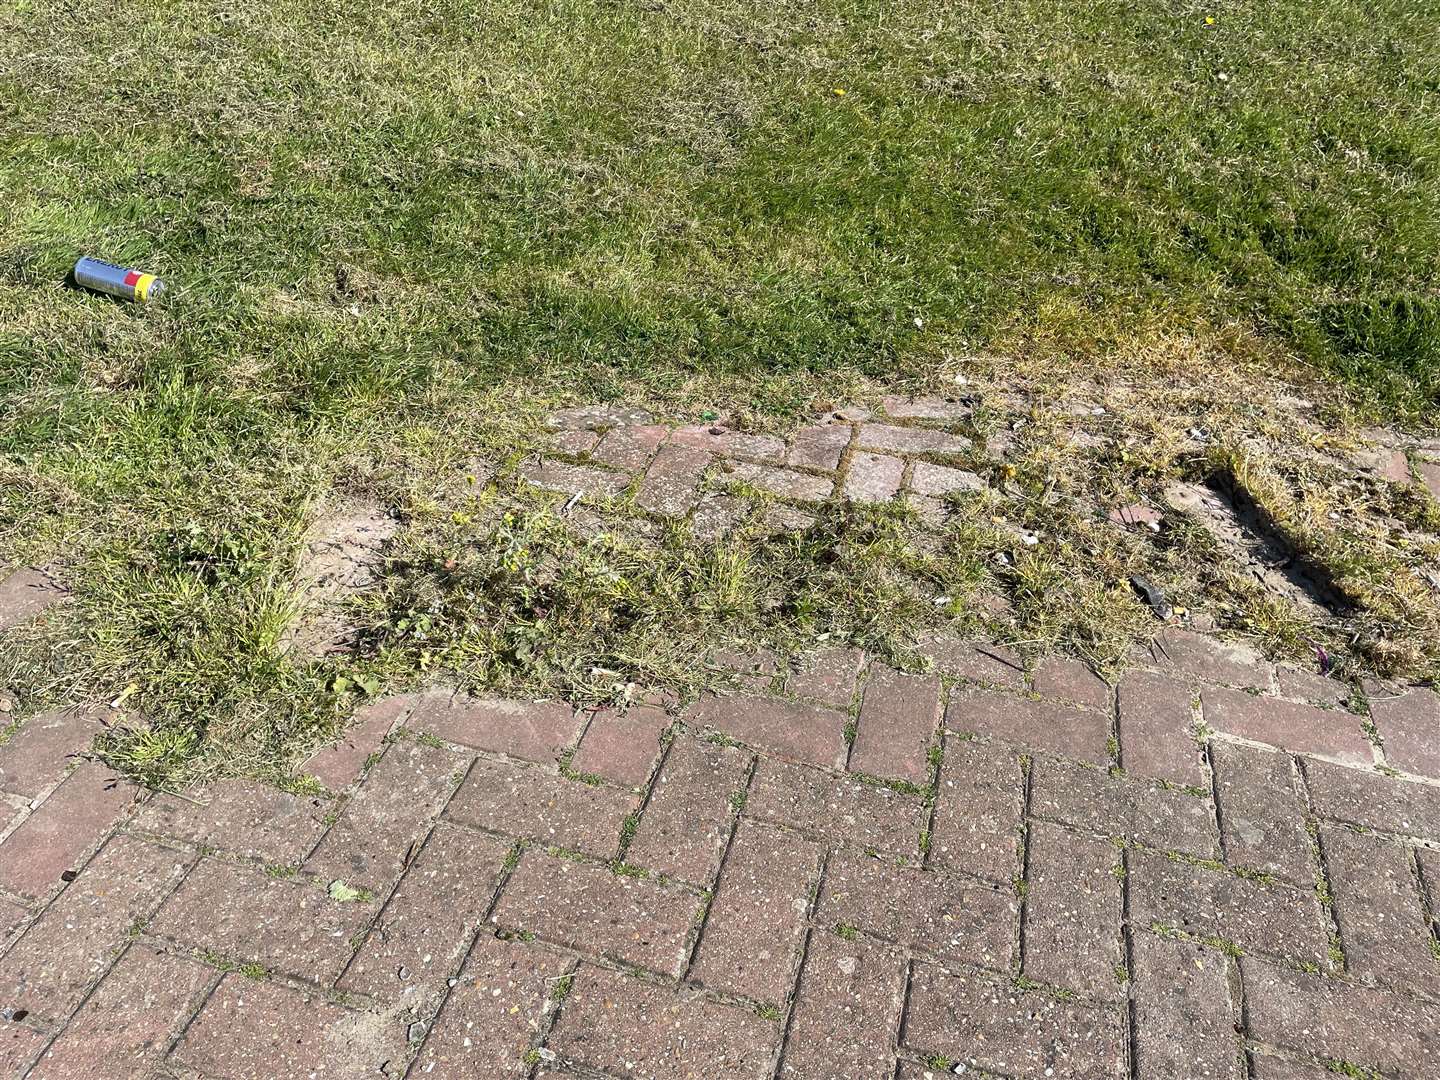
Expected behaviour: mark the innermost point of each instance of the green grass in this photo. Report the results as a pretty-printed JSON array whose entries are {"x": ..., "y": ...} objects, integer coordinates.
[{"x": 394, "y": 238}]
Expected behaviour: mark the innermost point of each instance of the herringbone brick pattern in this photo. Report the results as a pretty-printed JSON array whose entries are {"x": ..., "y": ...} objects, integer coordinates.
[{"x": 847, "y": 874}]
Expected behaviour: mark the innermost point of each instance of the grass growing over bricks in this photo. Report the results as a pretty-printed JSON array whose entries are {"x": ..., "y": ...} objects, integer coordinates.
[{"x": 394, "y": 244}]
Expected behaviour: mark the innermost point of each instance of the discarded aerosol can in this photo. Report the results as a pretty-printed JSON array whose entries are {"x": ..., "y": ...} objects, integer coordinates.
[{"x": 118, "y": 280}]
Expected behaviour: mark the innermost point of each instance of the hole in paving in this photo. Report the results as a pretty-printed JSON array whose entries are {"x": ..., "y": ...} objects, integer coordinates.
[
  {"x": 1244, "y": 529},
  {"x": 69, "y": 875}
]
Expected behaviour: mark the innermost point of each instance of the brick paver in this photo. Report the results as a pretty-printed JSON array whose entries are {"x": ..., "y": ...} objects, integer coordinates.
[
  {"x": 1157, "y": 729},
  {"x": 841, "y": 809},
  {"x": 533, "y": 730},
  {"x": 1383, "y": 928},
  {"x": 1262, "y": 814},
  {"x": 1200, "y": 901},
  {"x": 847, "y": 1009},
  {"x": 1332, "y": 733},
  {"x": 1042, "y": 725},
  {"x": 532, "y": 803},
  {"x": 1184, "y": 1016},
  {"x": 256, "y": 1030},
  {"x": 750, "y": 944},
  {"x": 1073, "y": 906},
  {"x": 385, "y": 820},
  {"x": 1117, "y": 806},
  {"x": 1410, "y": 725},
  {"x": 804, "y": 732},
  {"x": 617, "y": 1023},
  {"x": 63, "y": 829},
  {"x": 635, "y": 920},
  {"x": 622, "y": 746},
  {"x": 127, "y": 1025},
  {"x": 495, "y": 1012},
  {"x": 899, "y": 719},
  {"x": 691, "y": 810},
  {"x": 37, "y": 756},
  {"x": 933, "y": 912},
  {"x": 425, "y": 928},
  {"x": 515, "y": 889},
  {"x": 24, "y": 594},
  {"x": 243, "y": 817},
  {"x": 990, "y": 1024},
  {"x": 73, "y": 942},
  {"x": 977, "y": 811},
  {"x": 287, "y": 925}
]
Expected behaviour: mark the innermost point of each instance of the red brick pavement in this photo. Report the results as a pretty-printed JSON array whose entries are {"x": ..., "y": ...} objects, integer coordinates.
[{"x": 993, "y": 871}]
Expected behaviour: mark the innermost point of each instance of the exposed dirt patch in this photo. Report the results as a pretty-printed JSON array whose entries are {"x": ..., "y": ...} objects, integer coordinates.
[{"x": 341, "y": 556}]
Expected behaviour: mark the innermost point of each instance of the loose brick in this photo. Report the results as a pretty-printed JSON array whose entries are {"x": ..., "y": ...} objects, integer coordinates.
[
  {"x": 630, "y": 447},
  {"x": 750, "y": 944},
  {"x": 35, "y": 758},
  {"x": 786, "y": 483},
  {"x": 1210, "y": 659},
  {"x": 622, "y": 746},
  {"x": 1036, "y": 725},
  {"x": 67, "y": 948},
  {"x": 63, "y": 829},
  {"x": 1409, "y": 724},
  {"x": 1383, "y": 928},
  {"x": 338, "y": 766},
  {"x": 388, "y": 815},
  {"x": 1262, "y": 819},
  {"x": 819, "y": 447},
  {"x": 494, "y": 1014},
  {"x": 1157, "y": 729},
  {"x": 533, "y": 730},
  {"x": 1343, "y": 1022},
  {"x": 240, "y": 816},
  {"x": 286, "y": 925},
  {"x": 937, "y": 481},
  {"x": 126, "y": 1026},
  {"x": 574, "y": 479},
  {"x": 423, "y": 932},
  {"x": 671, "y": 484},
  {"x": 899, "y": 718},
  {"x": 993, "y": 665},
  {"x": 535, "y": 804},
  {"x": 1290, "y": 726},
  {"x": 1429, "y": 473},
  {"x": 735, "y": 444},
  {"x": 718, "y": 515},
  {"x": 845, "y": 1011},
  {"x": 1184, "y": 1020},
  {"x": 873, "y": 477},
  {"x": 926, "y": 408},
  {"x": 1373, "y": 800},
  {"x": 1070, "y": 680},
  {"x": 997, "y": 1026},
  {"x": 1117, "y": 806},
  {"x": 24, "y": 594},
  {"x": 687, "y": 820},
  {"x": 1072, "y": 911},
  {"x": 938, "y": 914},
  {"x": 839, "y": 808},
  {"x": 804, "y": 732},
  {"x": 1276, "y": 919},
  {"x": 909, "y": 440},
  {"x": 255, "y": 1030},
  {"x": 592, "y": 909},
  {"x": 618, "y": 1023},
  {"x": 977, "y": 814},
  {"x": 828, "y": 676}
]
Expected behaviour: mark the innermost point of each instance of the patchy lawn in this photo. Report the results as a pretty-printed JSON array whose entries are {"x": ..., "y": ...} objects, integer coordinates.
[{"x": 396, "y": 239}]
